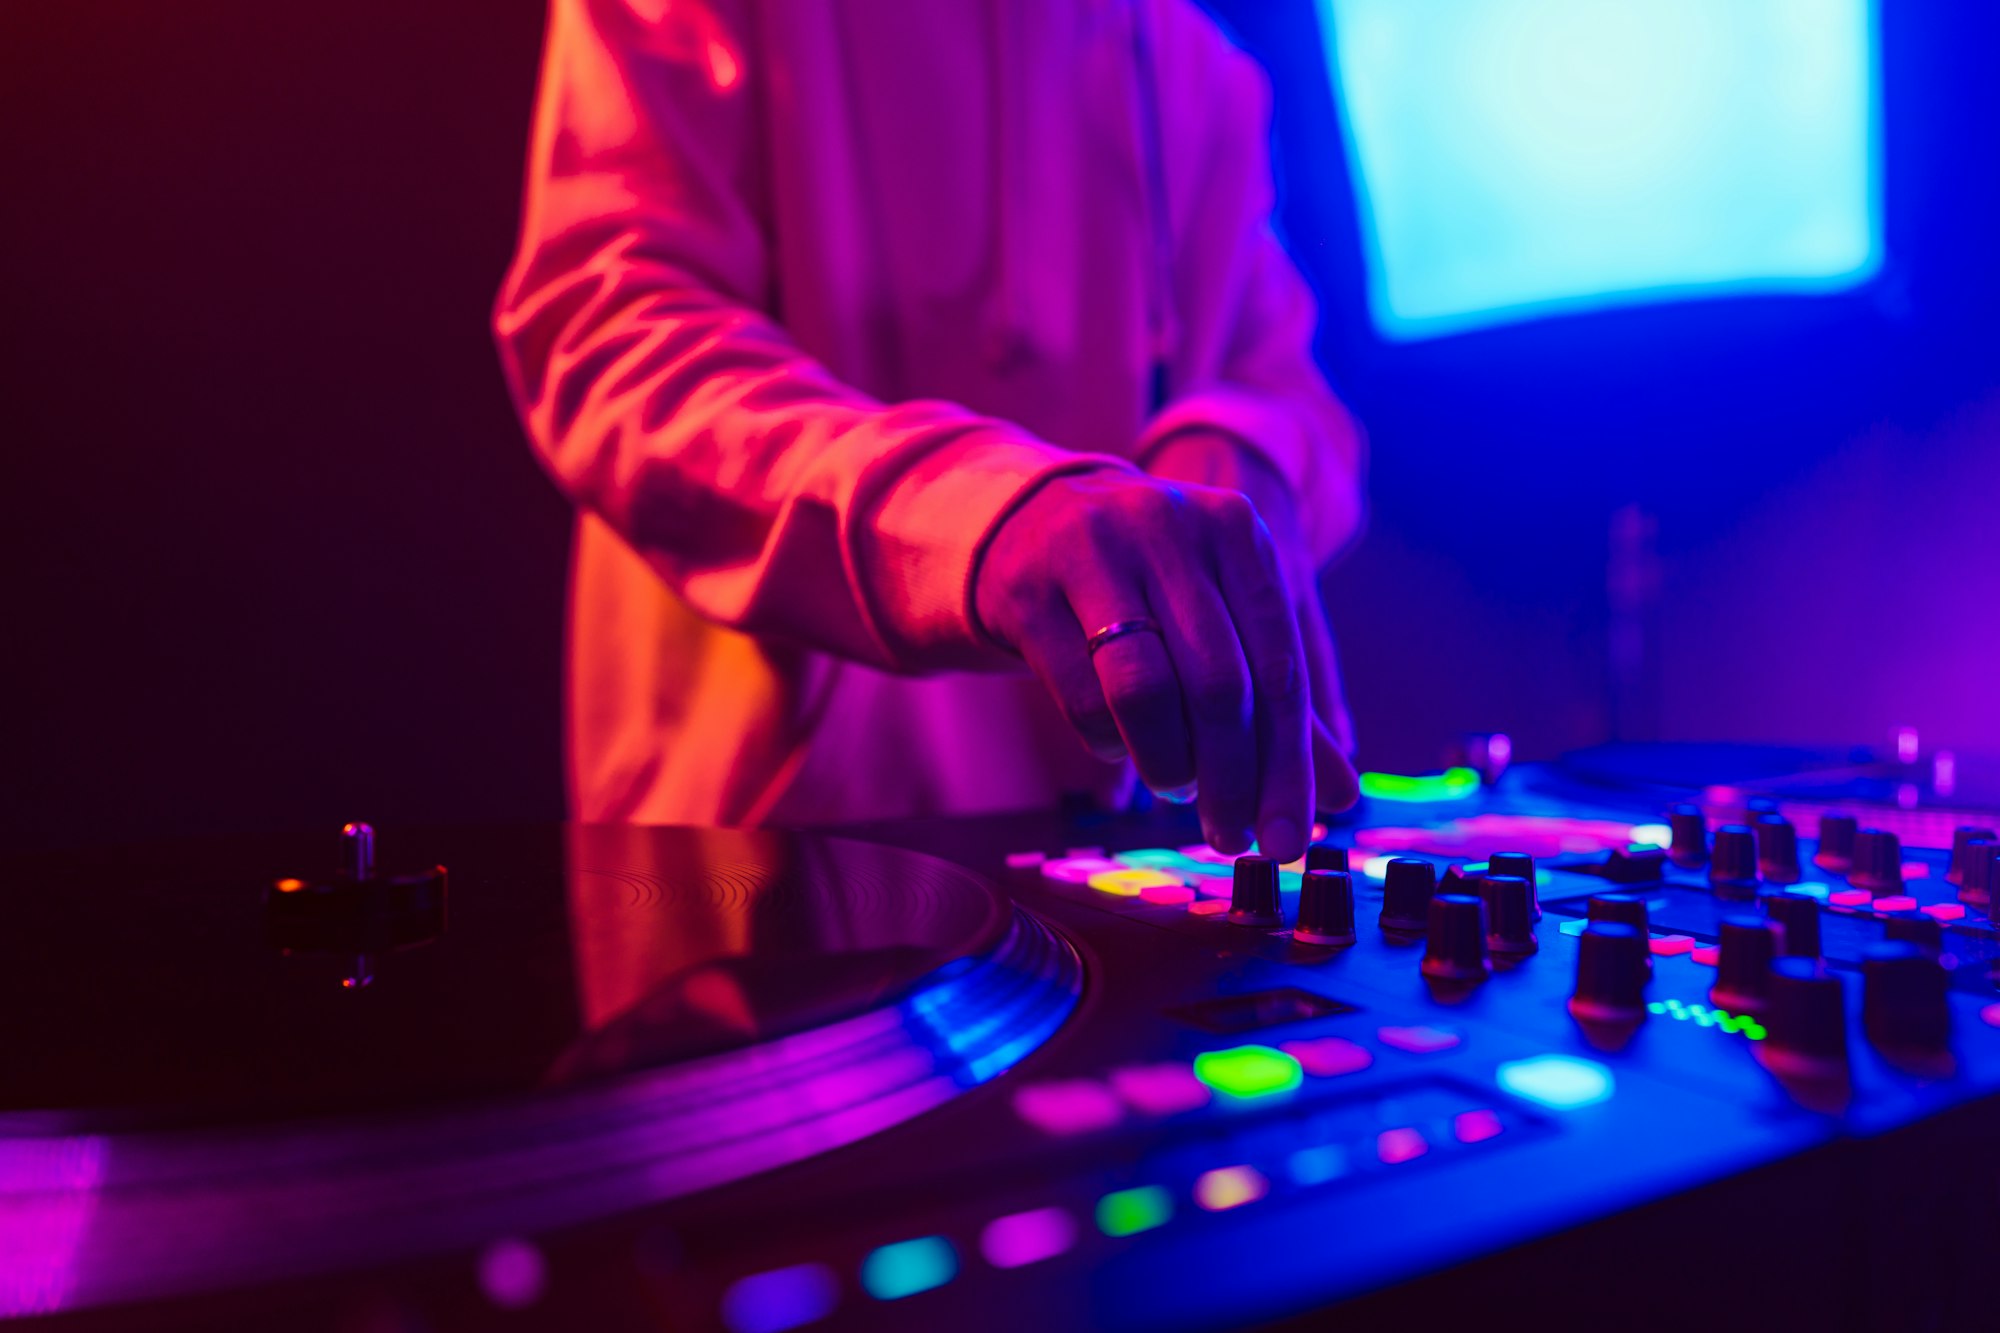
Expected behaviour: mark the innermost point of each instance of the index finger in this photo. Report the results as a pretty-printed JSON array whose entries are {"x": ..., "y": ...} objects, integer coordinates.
[{"x": 1253, "y": 585}]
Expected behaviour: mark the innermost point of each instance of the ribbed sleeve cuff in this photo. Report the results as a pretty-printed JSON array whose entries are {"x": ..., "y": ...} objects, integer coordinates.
[{"x": 920, "y": 548}]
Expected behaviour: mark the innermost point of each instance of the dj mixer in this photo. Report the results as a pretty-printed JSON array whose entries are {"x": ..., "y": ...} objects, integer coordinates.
[{"x": 1591, "y": 1042}]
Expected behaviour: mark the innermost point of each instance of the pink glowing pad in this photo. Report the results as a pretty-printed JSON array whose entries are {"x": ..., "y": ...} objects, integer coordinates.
[
  {"x": 1209, "y": 907},
  {"x": 1851, "y": 898},
  {"x": 1164, "y": 1089},
  {"x": 1077, "y": 869},
  {"x": 1328, "y": 1057},
  {"x": 1400, "y": 1145},
  {"x": 1027, "y": 1238},
  {"x": 1896, "y": 904},
  {"x": 1475, "y": 1126},
  {"x": 1417, "y": 1040},
  {"x": 1172, "y": 895},
  {"x": 1946, "y": 911},
  {"x": 1068, "y": 1106},
  {"x": 1916, "y": 870},
  {"x": 1667, "y": 946},
  {"x": 1708, "y": 955}
]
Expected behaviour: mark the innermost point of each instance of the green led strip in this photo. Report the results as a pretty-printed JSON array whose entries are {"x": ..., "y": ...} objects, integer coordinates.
[
  {"x": 1454, "y": 784},
  {"x": 1704, "y": 1016}
]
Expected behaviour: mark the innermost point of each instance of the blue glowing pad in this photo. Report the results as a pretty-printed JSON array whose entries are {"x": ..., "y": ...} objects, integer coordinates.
[
  {"x": 1561, "y": 1082},
  {"x": 908, "y": 1267},
  {"x": 1519, "y": 157},
  {"x": 781, "y": 1299}
]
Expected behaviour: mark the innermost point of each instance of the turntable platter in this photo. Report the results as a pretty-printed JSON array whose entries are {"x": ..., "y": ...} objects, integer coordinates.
[
  {"x": 608, "y": 1018},
  {"x": 570, "y": 952}
]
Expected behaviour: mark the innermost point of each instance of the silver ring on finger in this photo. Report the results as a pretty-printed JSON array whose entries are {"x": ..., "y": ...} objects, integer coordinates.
[{"x": 1118, "y": 629}]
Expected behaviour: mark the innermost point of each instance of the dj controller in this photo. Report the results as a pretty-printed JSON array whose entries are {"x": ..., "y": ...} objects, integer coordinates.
[{"x": 1646, "y": 1038}]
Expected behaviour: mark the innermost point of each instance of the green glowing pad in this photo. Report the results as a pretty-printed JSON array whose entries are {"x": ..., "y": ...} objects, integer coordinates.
[
  {"x": 1248, "y": 1071},
  {"x": 1453, "y": 784},
  {"x": 1131, "y": 1211}
]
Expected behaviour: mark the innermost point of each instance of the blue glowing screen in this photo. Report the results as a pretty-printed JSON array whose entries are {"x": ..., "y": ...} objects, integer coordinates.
[{"x": 1514, "y": 158}]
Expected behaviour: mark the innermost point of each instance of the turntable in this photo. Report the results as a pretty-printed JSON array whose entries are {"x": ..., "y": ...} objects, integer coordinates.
[{"x": 1501, "y": 1044}]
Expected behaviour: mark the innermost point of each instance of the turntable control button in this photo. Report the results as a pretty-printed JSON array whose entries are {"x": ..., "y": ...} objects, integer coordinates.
[
  {"x": 1407, "y": 886},
  {"x": 1689, "y": 847},
  {"x": 1253, "y": 895},
  {"x": 1878, "y": 863},
  {"x": 1326, "y": 908},
  {"x": 1961, "y": 858},
  {"x": 1455, "y": 940},
  {"x": 1836, "y": 842},
  {"x": 1732, "y": 870},
  {"x": 1326, "y": 856},
  {"x": 1777, "y": 849}
]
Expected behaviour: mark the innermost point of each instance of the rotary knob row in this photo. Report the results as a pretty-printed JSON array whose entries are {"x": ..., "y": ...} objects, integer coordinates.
[
  {"x": 1326, "y": 896},
  {"x": 1743, "y": 857}
]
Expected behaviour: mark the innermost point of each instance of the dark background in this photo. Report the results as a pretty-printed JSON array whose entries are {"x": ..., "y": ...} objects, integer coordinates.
[{"x": 279, "y": 556}]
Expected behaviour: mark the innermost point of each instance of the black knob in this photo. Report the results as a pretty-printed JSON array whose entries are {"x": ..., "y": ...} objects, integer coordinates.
[
  {"x": 1455, "y": 942},
  {"x": 1518, "y": 865},
  {"x": 1804, "y": 1018},
  {"x": 1510, "y": 916},
  {"x": 1836, "y": 843},
  {"x": 1253, "y": 895},
  {"x": 1959, "y": 859},
  {"x": 1611, "y": 974},
  {"x": 1627, "y": 909},
  {"x": 1326, "y": 856},
  {"x": 1743, "y": 964},
  {"x": 1690, "y": 841},
  {"x": 1326, "y": 908},
  {"x": 1732, "y": 870},
  {"x": 1878, "y": 863},
  {"x": 1797, "y": 919},
  {"x": 1912, "y": 928},
  {"x": 1982, "y": 871},
  {"x": 1903, "y": 1003},
  {"x": 1407, "y": 886},
  {"x": 1777, "y": 849}
]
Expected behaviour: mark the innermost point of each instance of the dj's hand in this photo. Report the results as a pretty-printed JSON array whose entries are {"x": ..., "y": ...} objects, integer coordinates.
[{"x": 1220, "y": 696}]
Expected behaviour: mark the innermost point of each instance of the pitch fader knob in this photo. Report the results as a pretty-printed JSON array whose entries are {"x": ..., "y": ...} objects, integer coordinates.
[
  {"x": 1981, "y": 858},
  {"x": 1611, "y": 974},
  {"x": 1510, "y": 918},
  {"x": 1878, "y": 863},
  {"x": 1518, "y": 865},
  {"x": 1743, "y": 964},
  {"x": 1326, "y": 856},
  {"x": 1805, "y": 1018},
  {"x": 1326, "y": 908},
  {"x": 1732, "y": 870},
  {"x": 1903, "y": 997},
  {"x": 1797, "y": 919},
  {"x": 1455, "y": 942},
  {"x": 1836, "y": 843},
  {"x": 1777, "y": 849},
  {"x": 1960, "y": 859},
  {"x": 1407, "y": 886},
  {"x": 1253, "y": 894},
  {"x": 1689, "y": 847}
]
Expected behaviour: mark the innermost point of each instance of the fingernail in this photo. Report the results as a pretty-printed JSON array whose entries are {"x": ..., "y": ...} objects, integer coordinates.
[
  {"x": 1229, "y": 844},
  {"x": 1281, "y": 839},
  {"x": 1181, "y": 795}
]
